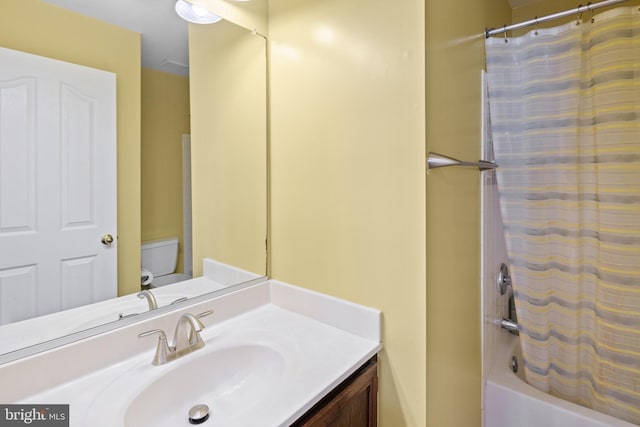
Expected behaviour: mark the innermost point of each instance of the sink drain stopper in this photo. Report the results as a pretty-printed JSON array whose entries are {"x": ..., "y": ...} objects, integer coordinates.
[{"x": 198, "y": 414}]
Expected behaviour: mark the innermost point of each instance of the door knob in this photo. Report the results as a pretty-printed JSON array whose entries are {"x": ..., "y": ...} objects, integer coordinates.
[{"x": 107, "y": 239}]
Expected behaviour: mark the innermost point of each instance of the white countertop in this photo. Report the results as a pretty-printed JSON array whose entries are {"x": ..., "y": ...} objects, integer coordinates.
[{"x": 323, "y": 339}]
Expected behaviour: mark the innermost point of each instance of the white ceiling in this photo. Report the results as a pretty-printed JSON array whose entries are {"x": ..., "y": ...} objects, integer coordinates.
[{"x": 164, "y": 35}]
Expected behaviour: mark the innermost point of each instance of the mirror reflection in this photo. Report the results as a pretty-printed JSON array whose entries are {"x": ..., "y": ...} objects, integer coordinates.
[{"x": 187, "y": 179}]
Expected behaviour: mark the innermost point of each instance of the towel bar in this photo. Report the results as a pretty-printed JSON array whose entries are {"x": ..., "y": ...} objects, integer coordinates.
[{"x": 435, "y": 160}]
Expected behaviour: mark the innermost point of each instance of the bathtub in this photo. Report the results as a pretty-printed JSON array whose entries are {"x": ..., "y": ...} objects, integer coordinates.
[{"x": 511, "y": 402}]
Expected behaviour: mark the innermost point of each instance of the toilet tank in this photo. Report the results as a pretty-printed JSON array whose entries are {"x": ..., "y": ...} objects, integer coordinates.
[{"x": 160, "y": 257}]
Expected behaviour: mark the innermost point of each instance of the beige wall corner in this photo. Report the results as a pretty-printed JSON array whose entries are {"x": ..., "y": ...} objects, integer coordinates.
[
  {"x": 228, "y": 146},
  {"x": 454, "y": 60},
  {"x": 248, "y": 14}
]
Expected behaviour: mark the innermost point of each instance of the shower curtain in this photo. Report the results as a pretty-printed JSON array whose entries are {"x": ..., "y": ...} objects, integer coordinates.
[{"x": 564, "y": 107}]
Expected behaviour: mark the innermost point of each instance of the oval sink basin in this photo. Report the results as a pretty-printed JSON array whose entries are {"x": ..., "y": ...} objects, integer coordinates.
[{"x": 228, "y": 380}]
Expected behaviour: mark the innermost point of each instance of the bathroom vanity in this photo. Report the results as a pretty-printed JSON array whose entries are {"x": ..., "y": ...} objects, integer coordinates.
[
  {"x": 273, "y": 355},
  {"x": 353, "y": 403}
]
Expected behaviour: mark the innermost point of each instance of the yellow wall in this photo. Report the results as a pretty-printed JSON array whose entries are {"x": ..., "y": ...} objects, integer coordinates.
[
  {"x": 228, "y": 146},
  {"x": 347, "y": 170},
  {"x": 165, "y": 118},
  {"x": 39, "y": 28},
  {"x": 455, "y": 56}
]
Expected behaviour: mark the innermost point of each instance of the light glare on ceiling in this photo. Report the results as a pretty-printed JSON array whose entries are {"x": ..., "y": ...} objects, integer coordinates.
[{"x": 195, "y": 14}]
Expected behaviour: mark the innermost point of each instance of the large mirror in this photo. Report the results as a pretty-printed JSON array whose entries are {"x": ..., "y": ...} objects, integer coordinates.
[{"x": 190, "y": 163}]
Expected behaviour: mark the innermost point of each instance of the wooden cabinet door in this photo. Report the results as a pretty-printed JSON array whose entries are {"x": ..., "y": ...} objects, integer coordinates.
[{"x": 354, "y": 403}]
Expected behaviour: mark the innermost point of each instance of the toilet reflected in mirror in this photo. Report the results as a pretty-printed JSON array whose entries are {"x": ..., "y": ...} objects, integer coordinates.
[{"x": 159, "y": 260}]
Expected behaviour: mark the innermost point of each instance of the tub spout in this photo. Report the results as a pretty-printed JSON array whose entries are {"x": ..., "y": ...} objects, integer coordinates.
[{"x": 510, "y": 326}]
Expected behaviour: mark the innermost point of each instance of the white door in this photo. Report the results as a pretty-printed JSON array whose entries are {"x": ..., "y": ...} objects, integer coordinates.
[{"x": 57, "y": 185}]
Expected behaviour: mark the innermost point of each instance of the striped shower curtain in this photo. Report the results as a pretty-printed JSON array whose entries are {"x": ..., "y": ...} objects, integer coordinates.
[{"x": 564, "y": 111}]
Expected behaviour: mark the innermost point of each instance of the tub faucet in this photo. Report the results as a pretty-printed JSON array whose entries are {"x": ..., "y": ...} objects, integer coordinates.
[
  {"x": 151, "y": 299},
  {"x": 510, "y": 326},
  {"x": 186, "y": 338}
]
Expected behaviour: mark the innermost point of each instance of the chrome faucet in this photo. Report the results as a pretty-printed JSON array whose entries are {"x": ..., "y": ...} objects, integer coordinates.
[
  {"x": 187, "y": 333},
  {"x": 510, "y": 326},
  {"x": 151, "y": 299},
  {"x": 186, "y": 338}
]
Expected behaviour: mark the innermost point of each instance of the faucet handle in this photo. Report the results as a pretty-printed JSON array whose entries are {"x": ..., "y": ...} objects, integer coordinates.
[
  {"x": 162, "y": 350},
  {"x": 153, "y": 331},
  {"x": 205, "y": 314},
  {"x": 179, "y": 300}
]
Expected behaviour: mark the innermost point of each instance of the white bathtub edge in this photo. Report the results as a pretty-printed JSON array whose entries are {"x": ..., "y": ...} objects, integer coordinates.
[{"x": 511, "y": 402}]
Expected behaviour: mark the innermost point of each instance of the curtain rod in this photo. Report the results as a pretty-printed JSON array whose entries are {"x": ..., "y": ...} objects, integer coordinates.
[{"x": 578, "y": 10}]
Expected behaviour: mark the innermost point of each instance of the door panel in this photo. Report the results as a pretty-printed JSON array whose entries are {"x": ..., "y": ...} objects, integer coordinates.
[
  {"x": 17, "y": 155},
  {"x": 77, "y": 188},
  {"x": 78, "y": 275},
  {"x": 18, "y": 293}
]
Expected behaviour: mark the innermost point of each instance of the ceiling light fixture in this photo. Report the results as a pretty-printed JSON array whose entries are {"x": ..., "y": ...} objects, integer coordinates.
[{"x": 196, "y": 14}]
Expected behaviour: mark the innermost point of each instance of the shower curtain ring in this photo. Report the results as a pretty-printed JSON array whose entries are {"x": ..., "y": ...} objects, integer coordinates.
[
  {"x": 536, "y": 21},
  {"x": 505, "y": 34},
  {"x": 590, "y": 12},
  {"x": 579, "y": 15}
]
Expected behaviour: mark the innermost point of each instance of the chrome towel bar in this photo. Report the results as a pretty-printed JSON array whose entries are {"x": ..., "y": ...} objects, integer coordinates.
[{"x": 435, "y": 160}]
